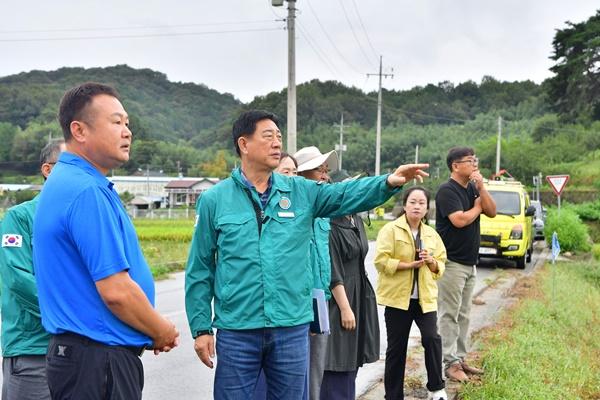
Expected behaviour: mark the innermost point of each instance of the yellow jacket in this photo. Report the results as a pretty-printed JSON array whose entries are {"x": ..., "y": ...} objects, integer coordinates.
[{"x": 394, "y": 244}]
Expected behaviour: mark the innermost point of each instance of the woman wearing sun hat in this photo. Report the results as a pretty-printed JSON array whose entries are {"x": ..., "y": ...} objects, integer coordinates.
[{"x": 316, "y": 166}]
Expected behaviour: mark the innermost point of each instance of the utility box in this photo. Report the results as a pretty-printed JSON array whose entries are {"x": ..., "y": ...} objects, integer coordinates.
[{"x": 277, "y": 3}]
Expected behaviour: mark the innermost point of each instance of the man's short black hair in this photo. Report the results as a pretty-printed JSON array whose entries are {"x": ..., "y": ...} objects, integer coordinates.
[
  {"x": 75, "y": 100},
  {"x": 456, "y": 153},
  {"x": 51, "y": 151},
  {"x": 245, "y": 125}
]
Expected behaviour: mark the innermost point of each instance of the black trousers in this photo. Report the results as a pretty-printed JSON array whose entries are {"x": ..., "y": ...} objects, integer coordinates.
[
  {"x": 398, "y": 323},
  {"x": 338, "y": 385},
  {"x": 80, "y": 368}
]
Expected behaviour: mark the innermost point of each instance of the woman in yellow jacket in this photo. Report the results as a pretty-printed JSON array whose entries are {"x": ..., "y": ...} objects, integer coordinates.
[{"x": 410, "y": 258}]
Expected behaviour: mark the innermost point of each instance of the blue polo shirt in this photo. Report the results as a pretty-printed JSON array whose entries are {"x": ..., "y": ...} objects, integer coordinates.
[
  {"x": 264, "y": 197},
  {"x": 82, "y": 234}
]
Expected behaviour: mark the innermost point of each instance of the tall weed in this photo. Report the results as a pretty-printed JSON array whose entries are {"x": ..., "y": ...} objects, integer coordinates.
[{"x": 572, "y": 232}]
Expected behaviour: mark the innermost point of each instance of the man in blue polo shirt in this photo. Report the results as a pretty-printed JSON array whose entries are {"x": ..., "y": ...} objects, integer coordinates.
[{"x": 95, "y": 289}]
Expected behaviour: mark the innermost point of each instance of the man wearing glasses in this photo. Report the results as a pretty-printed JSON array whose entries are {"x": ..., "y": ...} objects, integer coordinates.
[{"x": 459, "y": 203}]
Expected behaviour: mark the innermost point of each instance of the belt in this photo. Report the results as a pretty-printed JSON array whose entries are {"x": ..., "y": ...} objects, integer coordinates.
[{"x": 137, "y": 350}]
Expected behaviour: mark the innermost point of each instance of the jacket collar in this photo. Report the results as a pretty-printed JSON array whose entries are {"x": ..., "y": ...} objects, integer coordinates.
[
  {"x": 402, "y": 223},
  {"x": 279, "y": 182}
]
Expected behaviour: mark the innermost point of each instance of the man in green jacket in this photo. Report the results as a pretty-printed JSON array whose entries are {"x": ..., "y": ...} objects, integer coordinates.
[
  {"x": 24, "y": 340},
  {"x": 249, "y": 261}
]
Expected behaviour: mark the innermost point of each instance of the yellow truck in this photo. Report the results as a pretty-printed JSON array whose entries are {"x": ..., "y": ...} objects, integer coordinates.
[{"x": 509, "y": 234}]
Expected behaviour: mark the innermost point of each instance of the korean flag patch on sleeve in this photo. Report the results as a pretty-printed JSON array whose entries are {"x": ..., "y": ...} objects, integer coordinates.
[{"x": 12, "y": 240}]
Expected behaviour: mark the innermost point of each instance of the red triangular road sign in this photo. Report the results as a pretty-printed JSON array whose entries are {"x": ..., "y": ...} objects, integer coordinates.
[{"x": 557, "y": 182}]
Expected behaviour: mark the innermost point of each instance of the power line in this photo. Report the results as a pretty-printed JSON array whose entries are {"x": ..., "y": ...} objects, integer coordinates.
[
  {"x": 354, "y": 34},
  {"x": 140, "y": 27},
  {"x": 171, "y": 34},
  {"x": 330, "y": 40},
  {"x": 364, "y": 30},
  {"x": 323, "y": 58}
]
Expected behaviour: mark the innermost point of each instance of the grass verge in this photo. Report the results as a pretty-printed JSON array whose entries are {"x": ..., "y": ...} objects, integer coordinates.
[
  {"x": 373, "y": 230},
  {"x": 548, "y": 345}
]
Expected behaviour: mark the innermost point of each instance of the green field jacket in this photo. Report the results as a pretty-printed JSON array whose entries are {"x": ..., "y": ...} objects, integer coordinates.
[
  {"x": 319, "y": 255},
  {"x": 256, "y": 280},
  {"x": 22, "y": 331}
]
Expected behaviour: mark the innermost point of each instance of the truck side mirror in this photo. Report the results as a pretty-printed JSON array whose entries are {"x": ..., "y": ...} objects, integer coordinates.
[{"x": 530, "y": 211}]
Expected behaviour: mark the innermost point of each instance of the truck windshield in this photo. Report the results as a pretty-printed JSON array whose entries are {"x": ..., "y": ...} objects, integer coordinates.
[{"x": 507, "y": 203}]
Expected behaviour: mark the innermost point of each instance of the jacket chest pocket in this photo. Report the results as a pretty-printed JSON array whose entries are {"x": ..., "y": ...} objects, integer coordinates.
[
  {"x": 404, "y": 249},
  {"x": 235, "y": 230}
]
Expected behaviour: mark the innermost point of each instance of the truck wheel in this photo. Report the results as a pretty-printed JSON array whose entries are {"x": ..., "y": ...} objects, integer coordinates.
[
  {"x": 529, "y": 254},
  {"x": 520, "y": 262}
]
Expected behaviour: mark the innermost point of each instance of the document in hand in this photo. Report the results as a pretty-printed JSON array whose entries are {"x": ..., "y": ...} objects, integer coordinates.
[{"x": 320, "y": 322}]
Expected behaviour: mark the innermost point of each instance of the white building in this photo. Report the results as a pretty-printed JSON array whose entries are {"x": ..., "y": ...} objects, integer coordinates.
[
  {"x": 161, "y": 191},
  {"x": 141, "y": 185}
]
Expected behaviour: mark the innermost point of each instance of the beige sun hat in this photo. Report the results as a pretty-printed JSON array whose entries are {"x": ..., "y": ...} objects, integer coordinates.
[{"x": 311, "y": 157}]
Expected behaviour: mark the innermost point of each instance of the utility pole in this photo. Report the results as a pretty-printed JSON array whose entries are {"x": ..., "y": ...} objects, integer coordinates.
[
  {"x": 416, "y": 160},
  {"x": 498, "y": 145},
  {"x": 341, "y": 147},
  {"x": 291, "y": 93},
  {"x": 538, "y": 186},
  {"x": 378, "y": 139},
  {"x": 291, "y": 90}
]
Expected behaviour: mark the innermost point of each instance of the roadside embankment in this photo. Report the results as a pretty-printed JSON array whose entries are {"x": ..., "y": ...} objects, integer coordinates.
[{"x": 547, "y": 344}]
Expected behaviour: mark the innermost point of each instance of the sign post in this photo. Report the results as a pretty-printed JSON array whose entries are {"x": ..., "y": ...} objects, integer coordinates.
[{"x": 557, "y": 183}]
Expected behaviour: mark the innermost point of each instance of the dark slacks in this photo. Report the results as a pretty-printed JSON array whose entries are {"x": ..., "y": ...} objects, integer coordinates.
[
  {"x": 24, "y": 378},
  {"x": 398, "y": 323},
  {"x": 338, "y": 385},
  {"x": 80, "y": 368}
]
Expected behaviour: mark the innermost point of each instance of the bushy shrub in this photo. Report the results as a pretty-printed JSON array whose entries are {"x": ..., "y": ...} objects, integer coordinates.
[
  {"x": 588, "y": 211},
  {"x": 572, "y": 232}
]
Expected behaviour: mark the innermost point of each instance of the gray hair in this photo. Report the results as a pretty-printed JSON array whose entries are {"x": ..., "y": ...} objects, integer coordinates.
[{"x": 50, "y": 152}]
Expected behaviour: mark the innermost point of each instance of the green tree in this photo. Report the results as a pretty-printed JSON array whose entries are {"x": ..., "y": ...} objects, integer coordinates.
[
  {"x": 7, "y": 135},
  {"x": 28, "y": 143},
  {"x": 215, "y": 168},
  {"x": 574, "y": 91},
  {"x": 545, "y": 126}
]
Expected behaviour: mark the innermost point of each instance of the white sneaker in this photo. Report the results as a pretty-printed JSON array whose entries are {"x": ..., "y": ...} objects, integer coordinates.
[{"x": 438, "y": 395}]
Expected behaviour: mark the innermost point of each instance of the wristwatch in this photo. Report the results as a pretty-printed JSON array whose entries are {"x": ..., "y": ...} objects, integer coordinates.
[{"x": 204, "y": 332}]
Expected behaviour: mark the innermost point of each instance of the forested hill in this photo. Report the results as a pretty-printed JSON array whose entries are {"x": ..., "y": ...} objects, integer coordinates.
[
  {"x": 180, "y": 127},
  {"x": 160, "y": 109},
  {"x": 446, "y": 103}
]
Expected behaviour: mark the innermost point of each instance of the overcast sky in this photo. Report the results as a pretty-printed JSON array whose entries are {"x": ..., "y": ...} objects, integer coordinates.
[{"x": 240, "y": 46}]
